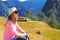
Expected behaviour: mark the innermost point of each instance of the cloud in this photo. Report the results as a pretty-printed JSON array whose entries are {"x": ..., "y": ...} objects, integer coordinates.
[
  {"x": 3, "y": 0},
  {"x": 23, "y": 0}
]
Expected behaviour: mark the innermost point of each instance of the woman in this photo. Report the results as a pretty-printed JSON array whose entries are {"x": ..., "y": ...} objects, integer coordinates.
[{"x": 11, "y": 27}]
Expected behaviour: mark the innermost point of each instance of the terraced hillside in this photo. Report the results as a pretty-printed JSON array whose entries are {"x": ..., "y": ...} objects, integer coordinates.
[{"x": 47, "y": 33}]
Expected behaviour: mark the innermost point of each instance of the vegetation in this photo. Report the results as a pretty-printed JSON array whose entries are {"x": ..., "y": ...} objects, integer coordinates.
[
  {"x": 46, "y": 32},
  {"x": 49, "y": 15},
  {"x": 51, "y": 19}
]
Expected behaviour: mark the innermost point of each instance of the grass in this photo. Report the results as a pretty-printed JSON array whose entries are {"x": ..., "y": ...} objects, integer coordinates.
[{"x": 47, "y": 33}]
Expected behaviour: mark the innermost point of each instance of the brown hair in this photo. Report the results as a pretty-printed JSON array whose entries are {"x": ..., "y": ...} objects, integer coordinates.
[{"x": 10, "y": 17}]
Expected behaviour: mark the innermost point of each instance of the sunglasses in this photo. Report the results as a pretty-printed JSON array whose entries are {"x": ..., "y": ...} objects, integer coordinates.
[{"x": 16, "y": 12}]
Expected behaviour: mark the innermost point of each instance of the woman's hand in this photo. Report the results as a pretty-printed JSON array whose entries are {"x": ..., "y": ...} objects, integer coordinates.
[{"x": 27, "y": 36}]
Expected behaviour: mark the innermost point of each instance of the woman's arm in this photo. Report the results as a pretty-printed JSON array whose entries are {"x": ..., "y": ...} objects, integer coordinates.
[
  {"x": 20, "y": 29},
  {"x": 13, "y": 31}
]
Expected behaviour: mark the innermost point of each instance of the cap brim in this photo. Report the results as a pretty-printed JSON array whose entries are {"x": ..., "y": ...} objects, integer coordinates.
[{"x": 17, "y": 10}]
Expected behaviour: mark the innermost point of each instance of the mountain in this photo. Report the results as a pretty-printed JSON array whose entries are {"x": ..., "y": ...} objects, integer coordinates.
[
  {"x": 34, "y": 5},
  {"x": 52, "y": 5},
  {"x": 49, "y": 14},
  {"x": 40, "y": 10}
]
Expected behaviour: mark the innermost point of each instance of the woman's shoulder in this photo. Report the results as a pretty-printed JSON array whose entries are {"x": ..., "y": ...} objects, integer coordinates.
[{"x": 8, "y": 22}]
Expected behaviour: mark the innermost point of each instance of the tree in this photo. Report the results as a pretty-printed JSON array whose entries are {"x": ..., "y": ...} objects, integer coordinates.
[{"x": 29, "y": 15}]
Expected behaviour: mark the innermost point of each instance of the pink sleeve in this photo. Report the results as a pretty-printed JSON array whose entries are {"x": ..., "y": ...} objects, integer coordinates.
[
  {"x": 20, "y": 29},
  {"x": 12, "y": 30}
]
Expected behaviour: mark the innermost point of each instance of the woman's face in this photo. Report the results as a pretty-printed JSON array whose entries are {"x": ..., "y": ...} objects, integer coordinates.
[{"x": 15, "y": 15}]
